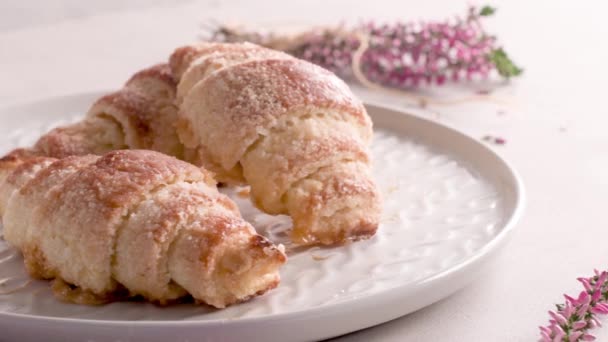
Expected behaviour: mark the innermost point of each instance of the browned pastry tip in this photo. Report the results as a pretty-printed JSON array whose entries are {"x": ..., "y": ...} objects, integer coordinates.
[
  {"x": 20, "y": 158},
  {"x": 155, "y": 83},
  {"x": 16, "y": 168},
  {"x": 161, "y": 72}
]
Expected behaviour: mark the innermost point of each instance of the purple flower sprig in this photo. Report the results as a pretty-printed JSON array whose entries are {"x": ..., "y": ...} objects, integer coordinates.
[
  {"x": 573, "y": 320},
  {"x": 398, "y": 55}
]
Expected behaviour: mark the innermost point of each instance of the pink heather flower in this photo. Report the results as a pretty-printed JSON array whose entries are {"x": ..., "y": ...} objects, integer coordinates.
[
  {"x": 582, "y": 309},
  {"x": 578, "y": 325},
  {"x": 596, "y": 295},
  {"x": 401, "y": 55},
  {"x": 600, "y": 310},
  {"x": 592, "y": 324},
  {"x": 585, "y": 283},
  {"x": 573, "y": 320},
  {"x": 583, "y": 297},
  {"x": 570, "y": 300},
  {"x": 601, "y": 280},
  {"x": 575, "y": 336},
  {"x": 568, "y": 310},
  {"x": 558, "y": 318}
]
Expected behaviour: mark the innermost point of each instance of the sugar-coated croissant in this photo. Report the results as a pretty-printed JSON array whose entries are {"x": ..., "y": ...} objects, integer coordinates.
[
  {"x": 290, "y": 129},
  {"x": 133, "y": 222}
]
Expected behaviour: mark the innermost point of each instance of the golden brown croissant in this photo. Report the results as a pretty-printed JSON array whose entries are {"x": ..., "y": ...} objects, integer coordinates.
[
  {"x": 133, "y": 221},
  {"x": 290, "y": 129},
  {"x": 141, "y": 115}
]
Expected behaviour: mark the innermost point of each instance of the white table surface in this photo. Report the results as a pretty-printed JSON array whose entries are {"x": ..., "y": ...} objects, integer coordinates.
[{"x": 555, "y": 125}]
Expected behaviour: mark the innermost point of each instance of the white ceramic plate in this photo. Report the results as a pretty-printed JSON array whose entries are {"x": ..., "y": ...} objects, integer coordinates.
[{"x": 450, "y": 202}]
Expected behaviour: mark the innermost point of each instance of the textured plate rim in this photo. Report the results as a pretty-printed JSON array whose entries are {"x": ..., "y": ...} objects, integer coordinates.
[{"x": 364, "y": 301}]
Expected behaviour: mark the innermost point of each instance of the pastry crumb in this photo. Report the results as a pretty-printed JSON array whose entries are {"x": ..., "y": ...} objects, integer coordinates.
[
  {"x": 281, "y": 248},
  {"x": 392, "y": 189},
  {"x": 244, "y": 192}
]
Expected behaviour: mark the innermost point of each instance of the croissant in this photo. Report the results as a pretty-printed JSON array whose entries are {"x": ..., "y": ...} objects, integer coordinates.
[
  {"x": 141, "y": 115},
  {"x": 135, "y": 222},
  {"x": 291, "y": 130}
]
